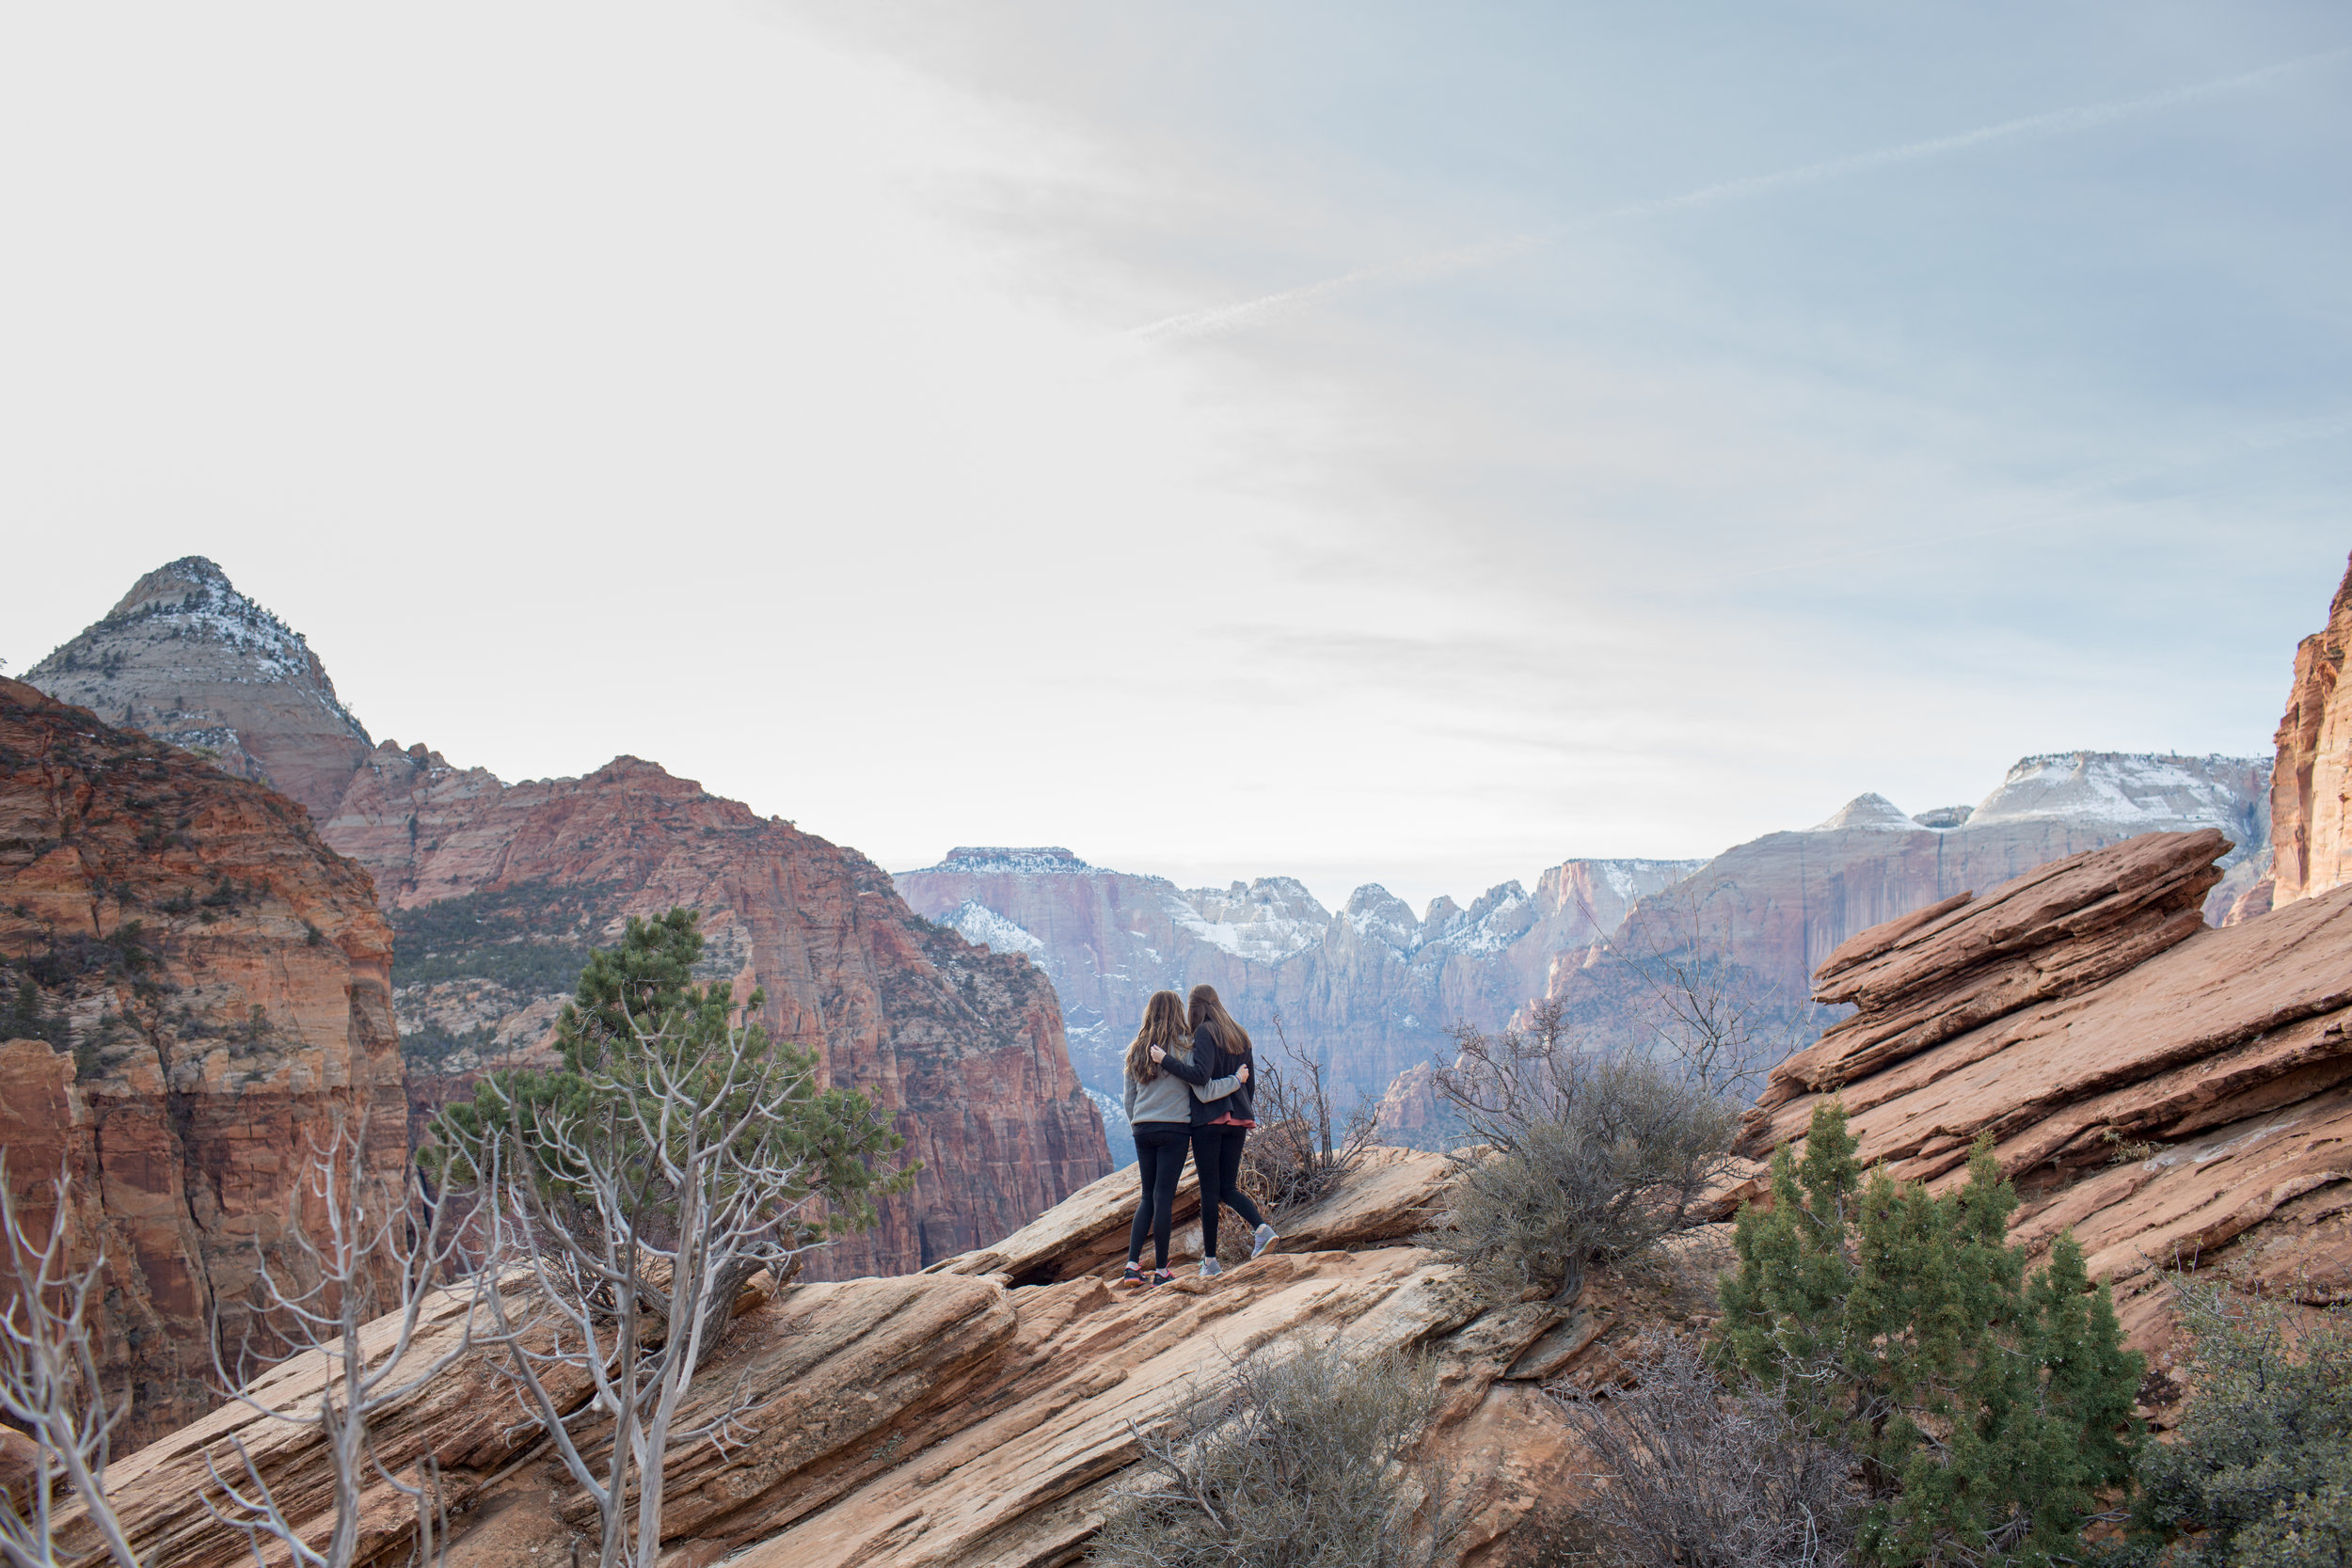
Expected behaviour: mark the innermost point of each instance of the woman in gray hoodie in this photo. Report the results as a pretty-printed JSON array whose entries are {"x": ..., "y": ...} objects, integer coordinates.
[{"x": 1160, "y": 1089}]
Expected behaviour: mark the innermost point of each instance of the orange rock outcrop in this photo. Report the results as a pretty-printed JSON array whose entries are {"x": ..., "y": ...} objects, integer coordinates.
[
  {"x": 2169, "y": 1091},
  {"x": 2311, "y": 786},
  {"x": 199, "y": 986},
  {"x": 984, "y": 1411}
]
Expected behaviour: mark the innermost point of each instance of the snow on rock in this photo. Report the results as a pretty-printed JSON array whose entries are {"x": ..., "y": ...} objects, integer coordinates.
[
  {"x": 2141, "y": 792},
  {"x": 978, "y": 923},
  {"x": 1867, "y": 813},
  {"x": 1266, "y": 921},
  {"x": 979, "y": 860}
]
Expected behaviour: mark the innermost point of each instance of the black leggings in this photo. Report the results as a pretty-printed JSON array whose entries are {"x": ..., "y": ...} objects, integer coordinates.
[
  {"x": 1160, "y": 1158},
  {"x": 1217, "y": 1155}
]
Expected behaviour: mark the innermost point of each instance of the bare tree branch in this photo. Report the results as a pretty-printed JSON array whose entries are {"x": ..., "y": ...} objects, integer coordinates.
[
  {"x": 49, "y": 1384},
  {"x": 354, "y": 1298}
]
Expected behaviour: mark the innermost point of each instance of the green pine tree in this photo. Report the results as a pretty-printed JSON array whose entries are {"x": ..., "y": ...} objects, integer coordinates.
[
  {"x": 638, "y": 1015},
  {"x": 1987, "y": 1408}
]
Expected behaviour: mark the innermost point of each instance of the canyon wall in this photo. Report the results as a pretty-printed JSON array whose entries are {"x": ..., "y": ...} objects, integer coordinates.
[
  {"x": 2311, "y": 790},
  {"x": 497, "y": 893},
  {"x": 1779, "y": 905},
  {"x": 193, "y": 985},
  {"x": 1372, "y": 989}
]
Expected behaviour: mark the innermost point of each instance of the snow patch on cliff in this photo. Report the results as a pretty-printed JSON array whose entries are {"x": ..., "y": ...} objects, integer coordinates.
[
  {"x": 977, "y": 923},
  {"x": 998, "y": 860},
  {"x": 2143, "y": 792},
  {"x": 1266, "y": 921},
  {"x": 1867, "y": 813}
]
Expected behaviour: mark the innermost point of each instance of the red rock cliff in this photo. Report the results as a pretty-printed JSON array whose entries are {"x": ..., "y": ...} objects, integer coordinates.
[
  {"x": 2311, "y": 787},
  {"x": 197, "y": 983},
  {"x": 963, "y": 1047}
]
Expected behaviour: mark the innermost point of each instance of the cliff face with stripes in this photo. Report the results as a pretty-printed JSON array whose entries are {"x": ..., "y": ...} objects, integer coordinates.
[
  {"x": 2311, "y": 790},
  {"x": 193, "y": 989}
]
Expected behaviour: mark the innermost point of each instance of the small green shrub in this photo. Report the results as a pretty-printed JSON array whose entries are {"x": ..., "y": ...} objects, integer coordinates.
[
  {"x": 1987, "y": 1409},
  {"x": 2262, "y": 1464}
]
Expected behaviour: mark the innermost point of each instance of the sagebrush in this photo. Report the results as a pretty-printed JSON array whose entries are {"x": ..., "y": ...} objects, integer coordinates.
[
  {"x": 1297, "y": 1459},
  {"x": 1590, "y": 1157}
]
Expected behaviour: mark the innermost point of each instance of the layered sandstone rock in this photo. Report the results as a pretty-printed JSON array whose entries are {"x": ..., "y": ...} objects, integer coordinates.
[
  {"x": 1372, "y": 990},
  {"x": 2312, "y": 785},
  {"x": 211, "y": 988},
  {"x": 186, "y": 657},
  {"x": 960, "y": 1416},
  {"x": 2166, "y": 1090}
]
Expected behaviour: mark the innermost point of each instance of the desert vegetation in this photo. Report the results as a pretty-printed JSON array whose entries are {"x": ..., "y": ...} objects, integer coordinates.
[
  {"x": 1298, "y": 1457},
  {"x": 1584, "y": 1156}
]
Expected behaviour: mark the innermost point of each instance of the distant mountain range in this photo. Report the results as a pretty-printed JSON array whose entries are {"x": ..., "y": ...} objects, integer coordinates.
[{"x": 1372, "y": 989}]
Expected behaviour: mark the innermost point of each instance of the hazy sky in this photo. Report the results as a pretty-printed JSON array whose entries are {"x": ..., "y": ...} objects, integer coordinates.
[{"x": 1354, "y": 440}]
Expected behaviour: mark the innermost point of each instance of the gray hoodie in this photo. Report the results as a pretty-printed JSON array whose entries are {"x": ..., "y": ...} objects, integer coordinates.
[{"x": 1168, "y": 1098}]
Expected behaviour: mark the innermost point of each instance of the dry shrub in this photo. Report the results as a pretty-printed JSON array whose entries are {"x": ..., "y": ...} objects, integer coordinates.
[
  {"x": 1297, "y": 1460},
  {"x": 1593, "y": 1157},
  {"x": 1696, "y": 1474}
]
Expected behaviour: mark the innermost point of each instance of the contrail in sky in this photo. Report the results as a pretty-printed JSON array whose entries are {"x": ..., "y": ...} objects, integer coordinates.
[{"x": 1227, "y": 318}]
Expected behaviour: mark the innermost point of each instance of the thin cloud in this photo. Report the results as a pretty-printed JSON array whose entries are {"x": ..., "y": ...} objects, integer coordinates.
[{"x": 1218, "y": 319}]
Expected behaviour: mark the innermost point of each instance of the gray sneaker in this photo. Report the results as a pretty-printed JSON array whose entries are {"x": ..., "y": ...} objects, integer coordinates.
[
  {"x": 1263, "y": 1239},
  {"x": 1211, "y": 1268}
]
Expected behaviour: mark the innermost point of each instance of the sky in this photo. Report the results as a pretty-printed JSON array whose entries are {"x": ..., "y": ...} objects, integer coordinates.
[{"x": 1361, "y": 442}]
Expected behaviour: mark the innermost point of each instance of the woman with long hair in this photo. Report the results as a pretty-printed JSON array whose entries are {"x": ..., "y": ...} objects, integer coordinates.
[
  {"x": 1222, "y": 1119},
  {"x": 1160, "y": 1080}
]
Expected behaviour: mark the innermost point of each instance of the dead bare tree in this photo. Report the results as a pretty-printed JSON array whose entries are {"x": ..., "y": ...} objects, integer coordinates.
[
  {"x": 1303, "y": 1149},
  {"x": 637, "y": 1208},
  {"x": 354, "y": 1298},
  {"x": 49, "y": 1386}
]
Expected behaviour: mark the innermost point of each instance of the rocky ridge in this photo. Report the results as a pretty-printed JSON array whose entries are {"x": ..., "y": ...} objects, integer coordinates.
[
  {"x": 2165, "y": 1089},
  {"x": 963, "y": 1417},
  {"x": 186, "y": 658},
  {"x": 197, "y": 986},
  {"x": 1778, "y": 906}
]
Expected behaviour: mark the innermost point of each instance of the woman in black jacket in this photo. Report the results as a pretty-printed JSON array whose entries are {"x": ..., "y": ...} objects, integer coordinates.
[{"x": 1220, "y": 1126}]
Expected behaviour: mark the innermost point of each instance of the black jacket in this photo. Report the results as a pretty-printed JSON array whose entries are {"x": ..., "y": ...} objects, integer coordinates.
[{"x": 1209, "y": 1063}]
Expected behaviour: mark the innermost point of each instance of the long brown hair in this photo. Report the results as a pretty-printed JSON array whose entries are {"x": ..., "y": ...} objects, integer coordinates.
[
  {"x": 1206, "y": 1011},
  {"x": 1163, "y": 1027}
]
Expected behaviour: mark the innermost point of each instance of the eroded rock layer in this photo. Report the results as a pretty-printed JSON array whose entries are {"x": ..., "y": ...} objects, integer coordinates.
[
  {"x": 960, "y": 1416},
  {"x": 197, "y": 986},
  {"x": 2167, "y": 1090}
]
